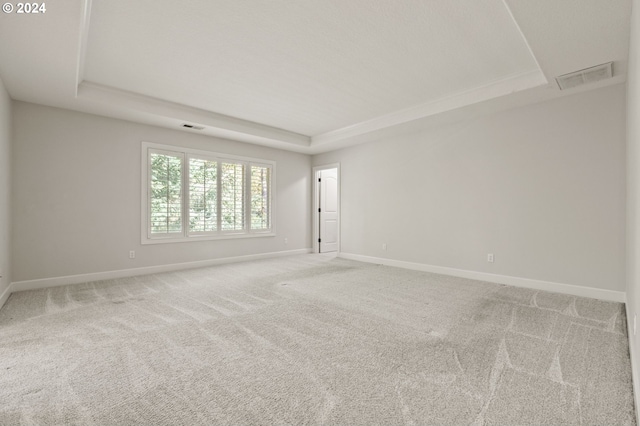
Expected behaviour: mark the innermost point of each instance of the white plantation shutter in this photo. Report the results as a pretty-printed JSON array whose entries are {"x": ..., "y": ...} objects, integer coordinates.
[
  {"x": 260, "y": 197},
  {"x": 203, "y": 195},
  {"x": 165, "y": 193},
  {"x": 232, "y": 196},
  {"x": 191, "y": 194}
]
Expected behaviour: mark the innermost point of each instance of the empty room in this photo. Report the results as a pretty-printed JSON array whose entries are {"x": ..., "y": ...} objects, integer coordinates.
[{"x": 418, "y": 212}]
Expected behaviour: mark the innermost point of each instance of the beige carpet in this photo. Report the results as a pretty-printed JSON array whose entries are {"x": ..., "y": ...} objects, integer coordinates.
[{"x": 311, "y": 340}]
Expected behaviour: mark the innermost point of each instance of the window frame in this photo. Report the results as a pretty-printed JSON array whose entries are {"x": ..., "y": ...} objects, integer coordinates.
[{"x": 186, "y": 154}]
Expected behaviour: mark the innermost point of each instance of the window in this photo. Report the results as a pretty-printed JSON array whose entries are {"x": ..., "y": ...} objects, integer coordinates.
[
  {"x": 193, "y": 195},
  {"x": 260, "y": 190},
  {"x": 232, "y": 190},
  {"x": 203, "y": 195},
  {"x": 166, "y": 193}
]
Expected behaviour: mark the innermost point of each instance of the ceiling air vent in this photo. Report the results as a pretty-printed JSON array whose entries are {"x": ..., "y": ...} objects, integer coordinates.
[
  {"x": 191, "y": 126},
  {"x": 587, "y": 75}
]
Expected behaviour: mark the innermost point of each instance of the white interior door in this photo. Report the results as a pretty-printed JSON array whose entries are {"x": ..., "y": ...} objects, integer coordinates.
[{"x": 328, "y": 213}]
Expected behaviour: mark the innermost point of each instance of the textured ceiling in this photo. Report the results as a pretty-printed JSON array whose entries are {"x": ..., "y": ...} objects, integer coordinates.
[
  {"x": 306, "y": 75},
  {"x": 569, "y": 35},
  {"x": 305, "y": 66}
]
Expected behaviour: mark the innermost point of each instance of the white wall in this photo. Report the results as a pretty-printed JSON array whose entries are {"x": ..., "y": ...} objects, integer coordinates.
[
  {"x": 633, "y": 191},
  {"x": 541, "y": 186},
  {"x": 76, "y": 186},
  {"x": 5, "y": 190}
]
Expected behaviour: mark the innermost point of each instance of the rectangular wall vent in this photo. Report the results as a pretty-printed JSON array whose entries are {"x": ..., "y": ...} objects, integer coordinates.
[
  {"x": 192, "y": 126},
  {"x": 587, "y": 75}
]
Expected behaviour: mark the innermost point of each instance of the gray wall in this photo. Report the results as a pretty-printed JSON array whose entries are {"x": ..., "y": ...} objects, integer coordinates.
[
  {"x": 76, "y": 186},
  {"x": 541, "y": 186},
  {"x": 5, "y": 189},
  {"x": 633, "y": 189}
]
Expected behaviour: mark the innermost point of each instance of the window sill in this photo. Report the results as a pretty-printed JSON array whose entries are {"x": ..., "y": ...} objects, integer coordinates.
[{"x": 206, "y": 238}]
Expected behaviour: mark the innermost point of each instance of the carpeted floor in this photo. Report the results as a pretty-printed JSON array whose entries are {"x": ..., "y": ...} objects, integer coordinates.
[{"x": 311, "y": 340}]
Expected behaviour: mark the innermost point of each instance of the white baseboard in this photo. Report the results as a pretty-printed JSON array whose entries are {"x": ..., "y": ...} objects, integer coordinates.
[
  {"x": 634, "y": 365},
  {"x": 123, "y": 273},
  {"x": 575, "y": 290},
  {"x": 5, "y": 295},
  {"x": 595, "y": 293}
]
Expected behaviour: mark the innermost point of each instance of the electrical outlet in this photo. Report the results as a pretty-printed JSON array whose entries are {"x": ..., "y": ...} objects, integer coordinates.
[
  {"x": 286, "y": 241},
  {"x": 490, "y": 258},
  {"x": 132, "y": 254},
  {"x": 384, "y": 246}
]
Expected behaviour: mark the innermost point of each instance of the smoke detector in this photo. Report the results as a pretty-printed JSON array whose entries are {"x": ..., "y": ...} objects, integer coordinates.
[
  {"x": 192, "y": 126},
  {"x": 587, "y": 75}
]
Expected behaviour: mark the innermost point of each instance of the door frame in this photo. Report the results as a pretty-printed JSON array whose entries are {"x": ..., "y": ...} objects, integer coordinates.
[{"x": 315, "y": 234}]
